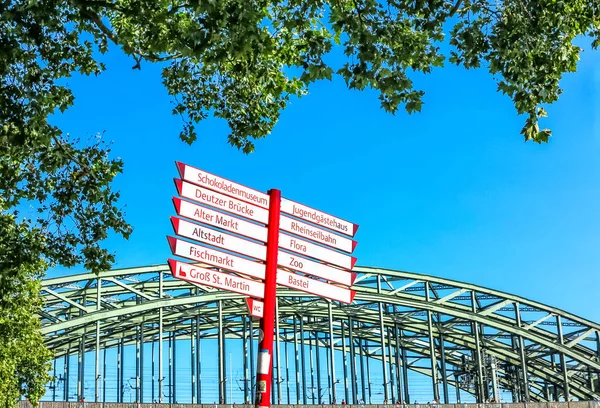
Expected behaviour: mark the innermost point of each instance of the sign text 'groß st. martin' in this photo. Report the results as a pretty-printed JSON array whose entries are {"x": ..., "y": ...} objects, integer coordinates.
[
  {"x": 216, "y": 183},
  {"x": 221, "y": 201},
  {"x": 215, "y": 279}
]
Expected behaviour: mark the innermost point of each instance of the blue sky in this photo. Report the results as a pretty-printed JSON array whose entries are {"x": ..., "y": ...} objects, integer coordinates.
[{"x": 453, "y": 191}]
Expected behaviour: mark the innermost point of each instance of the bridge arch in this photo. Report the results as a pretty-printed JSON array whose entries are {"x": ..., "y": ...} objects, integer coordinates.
[{"x": 466, "y": 338}]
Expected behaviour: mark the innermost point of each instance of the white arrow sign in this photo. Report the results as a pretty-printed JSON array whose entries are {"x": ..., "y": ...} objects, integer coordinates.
[
  {"x": 318, "y": 217},
  {"x": 226, "y": 241},
  {"x": 315, "y": 251},
  {"x": 214, "y": 279},
  {"x": 217, "y": 258},
  {"x": 219, "y": 239},
  {"x": 313, "y": 268},
  {"x": 220, "y": 201},
  {"x": 305, "y": 284},
  {"x": 228, "y": 187},
  {"x": 316, "y": 234},
  {"x": 256, "y": 308},
  {"x": 220, "y": 220}
]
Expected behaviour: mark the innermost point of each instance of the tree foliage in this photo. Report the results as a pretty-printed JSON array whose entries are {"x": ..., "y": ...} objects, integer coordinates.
[{"x": 240, "y": 60}]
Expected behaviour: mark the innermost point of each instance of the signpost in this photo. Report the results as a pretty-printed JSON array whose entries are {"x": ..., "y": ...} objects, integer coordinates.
[{"x": 243, "y": 233}]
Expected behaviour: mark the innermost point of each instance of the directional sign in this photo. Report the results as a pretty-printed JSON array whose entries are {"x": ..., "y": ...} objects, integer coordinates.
[
  {"x": 316, "y": 269},
  {"x": 216, "y": 183},
  {"x": 217, "y": 258},
  {"x": 315, "y": 251},
  {"x": 316, "y": 234},
  {"x": 219, "y": 239},
  {"x": 318, "y": 217},
  {"x": 214, "y": 279},
  {"x": 220, "y": 220},
  {"x": 255, "y": 307},
  {"x": 239, "y": 245},
  {"x": 223, "y": 202},
  {"x": 305, "y": 284}
]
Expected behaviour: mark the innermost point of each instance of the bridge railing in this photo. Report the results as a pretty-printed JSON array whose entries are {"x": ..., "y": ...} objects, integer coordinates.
[{"x": 571, "y": 404}]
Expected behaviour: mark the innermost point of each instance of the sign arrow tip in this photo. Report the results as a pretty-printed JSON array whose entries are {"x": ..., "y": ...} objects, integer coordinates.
[
  {"x": 180, "y": 167},
  {"x": 175, "y": 222},
  {"x": 177, "y": 204},
  {"x": 172, "y": 243},
  {"x": 172, "y": 265},
  {"x": 178, "y": 185},
  {"x": 352, "y": 294}
]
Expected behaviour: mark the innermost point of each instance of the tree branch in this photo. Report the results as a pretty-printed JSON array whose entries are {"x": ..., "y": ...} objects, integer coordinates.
[
  {"x": 359, "y": 12},
  {"x": 137, "y": 54},
  {"x": 454, "y": 8}
]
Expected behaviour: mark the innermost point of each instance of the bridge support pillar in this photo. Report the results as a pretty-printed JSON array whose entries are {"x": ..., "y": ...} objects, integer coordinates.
[
  {"x": 362, "y": 372},
  {"x": 386, "y": 394},
  {"x": 97, "y": 370},
  {"x": 193, "y": 356},
  {"x": 287, "y": 367},
  {"x": 297, "y": 361},
  {"x": 391, "y": 366},
  {"x": 104, "y": 373},
  {"x": 345, "y": 365},
  {"x": 398, "y": 360},
  {"x": 141, "y": 384},
  {"x": 318, "y": 362},
  {"x": 332, "y": 355},
  {"x": 81, "y": 366},
  {"x": 277, "y": 351},
  {"x": 522, "y": 356},
  {"x": 563, "y": 362},
  {"x": 444, "y": 372},
  {"x": 160, "y": 340},
  {"x": 478, "y": 362},
  {"x": 198, "y": 361},
  {"x": 365, "y": 349},
  {"x": 404, "y": 367},
  {"x": 434, "y": 373},
  {"x": 66, "y": 372},
  {"x": 221, "y": 345},
  {"x": 252, "y": 366},
  {"x": 245, "y": 352},
  {"x": 303, "y": 362},
  {"x": 353, "y": 379}
]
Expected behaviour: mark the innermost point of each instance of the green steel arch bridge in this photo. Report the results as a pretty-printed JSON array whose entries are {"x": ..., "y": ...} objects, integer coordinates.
[{"x": 466, "y": 339}]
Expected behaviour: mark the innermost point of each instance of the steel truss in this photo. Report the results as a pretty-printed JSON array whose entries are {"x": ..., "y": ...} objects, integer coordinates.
[{"x": 462, "y": 336}]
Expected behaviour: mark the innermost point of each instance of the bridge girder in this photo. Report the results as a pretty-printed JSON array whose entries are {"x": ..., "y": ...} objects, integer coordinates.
[{"x": 514, "y": 331}]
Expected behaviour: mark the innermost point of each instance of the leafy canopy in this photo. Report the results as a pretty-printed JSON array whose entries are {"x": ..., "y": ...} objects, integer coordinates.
[
  {"x": 240, "y": 60},
  {"x": 234, "y": 58}
]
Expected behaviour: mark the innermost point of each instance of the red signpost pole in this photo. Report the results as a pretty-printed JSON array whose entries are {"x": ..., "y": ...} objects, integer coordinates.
[{"x": 265, "y": 346}]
